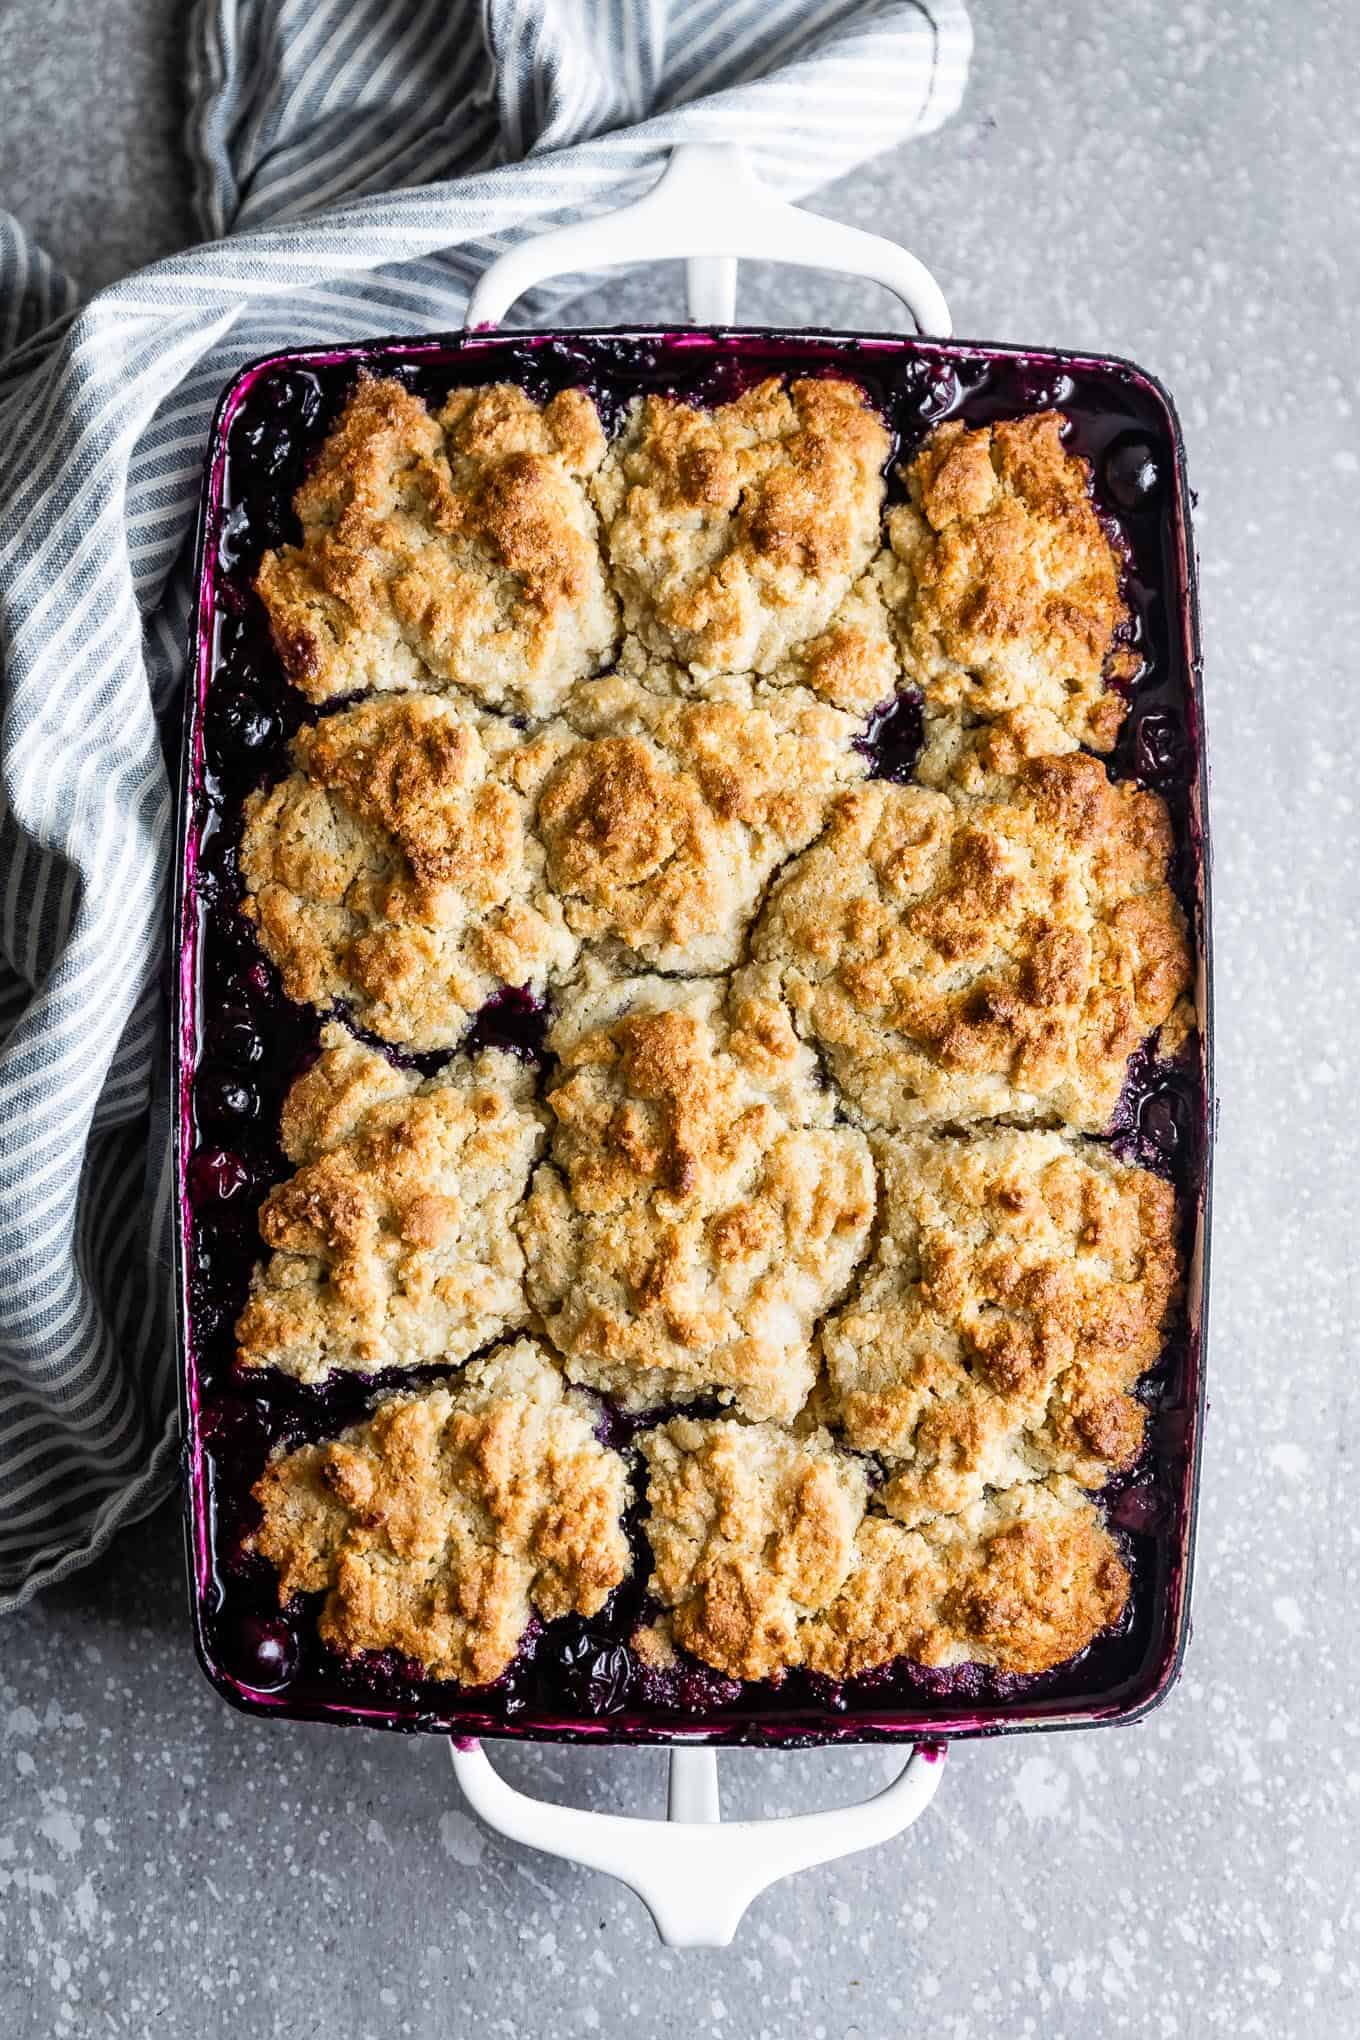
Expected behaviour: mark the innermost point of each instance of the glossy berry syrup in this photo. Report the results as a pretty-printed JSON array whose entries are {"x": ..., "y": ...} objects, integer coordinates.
[{"x": 240, "y": 1044}]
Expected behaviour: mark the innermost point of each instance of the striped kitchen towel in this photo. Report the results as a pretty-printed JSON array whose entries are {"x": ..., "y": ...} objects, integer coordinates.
[{"x": 356, "y": 163}]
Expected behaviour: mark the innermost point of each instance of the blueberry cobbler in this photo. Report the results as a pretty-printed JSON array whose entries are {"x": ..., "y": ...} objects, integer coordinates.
[{"x": 692, "y": 1085}]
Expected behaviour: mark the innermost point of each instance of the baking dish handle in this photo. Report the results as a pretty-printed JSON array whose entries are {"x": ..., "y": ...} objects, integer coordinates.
[
  {"x": 709, "y": 209},
  {"x": 695, "y": 1874}
]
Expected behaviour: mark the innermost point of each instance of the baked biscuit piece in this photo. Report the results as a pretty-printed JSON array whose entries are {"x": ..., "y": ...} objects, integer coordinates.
[
  {"x": 440, "y": 1524},
  {"x": 1003, "y": 584},
  {"x": 1019, "y": 1286},
  {"x": 699, "y": 1209},
  {"x": 662, "y": 828},
  {"x": 397, "y": 869},
  {"x": 751, "y": 1531},
  {"x": 853, "y": 664},
  {"x": 1020, "y": 1581},
  {"x": 733, "y": 533},
  {"x": 392, "y": 1245},
  {"x": 986, "y": 954},
  {"x": 969, "y": 759},
  {"x": 459, "y": 551}
]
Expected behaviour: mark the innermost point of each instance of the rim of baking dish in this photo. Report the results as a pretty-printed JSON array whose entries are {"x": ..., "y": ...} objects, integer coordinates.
[{"x": 1124, "y": 1701}]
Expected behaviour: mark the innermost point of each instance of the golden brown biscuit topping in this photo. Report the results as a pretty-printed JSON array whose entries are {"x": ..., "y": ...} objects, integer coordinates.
[
  {"x": 397, "y": 870},
  {"x": 663, "y": 826},
  {"x": 1019, "y": 1287},
  {"x": 392, "y": 1245},
  {"x": 733, "y": 533},
  {"x": 458, "y": 551},
  {"x": 751, "y": 1531},
  {"x": 438, "y": 1526},
  {"x": 699, "y": 1210},
  {"x": 973, "y": 955},
  {"x": 851, "y": 664},
  {"x": 765, "y": 1559},
  {"x": 1003, "y": 585},
  {"x": 1021, "y": 1581}
]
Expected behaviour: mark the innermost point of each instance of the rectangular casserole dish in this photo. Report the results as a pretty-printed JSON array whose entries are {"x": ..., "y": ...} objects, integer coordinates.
[{"x": 269, "y": 420}]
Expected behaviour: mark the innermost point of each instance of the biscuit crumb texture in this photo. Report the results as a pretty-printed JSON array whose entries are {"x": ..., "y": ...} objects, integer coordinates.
[
  {"x": 764, "y": 1559},
  {"x": 393, "y": 1244},
  {"x": 459, "y": 551},
  {"x": 1018, "y": 1288},
  {"x": 733, "y": 533},
  {"x": 851, "y": 664},
  {"x": 751, "y": 1530},
  {"x": 397, "y": 870},
  {"x": 439, "y": 1526},
  {"x": 1003, "y": 586},
  {"x": 699, "y": 1209},
  {"x": 663, "y": 825},
  {"x": 1020, "y": 1582},
  {"x": 997, "y": 951}
]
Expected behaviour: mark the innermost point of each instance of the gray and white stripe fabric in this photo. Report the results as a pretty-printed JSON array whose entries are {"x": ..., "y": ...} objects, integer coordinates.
[{"x": 356, "y": 163}]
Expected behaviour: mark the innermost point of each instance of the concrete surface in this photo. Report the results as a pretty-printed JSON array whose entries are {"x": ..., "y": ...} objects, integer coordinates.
[{"x": 1178, "y": 183}]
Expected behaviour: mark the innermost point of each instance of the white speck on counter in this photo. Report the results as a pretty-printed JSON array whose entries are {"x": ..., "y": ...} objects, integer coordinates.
[{"x": 1041, "y": 1789}]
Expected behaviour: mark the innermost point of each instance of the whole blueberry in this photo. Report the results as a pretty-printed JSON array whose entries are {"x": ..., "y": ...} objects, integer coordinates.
[
  {"x": 249, "y": 981},
  {"x": 216, "y": 1176},
  {"x": 892, "y": 742},
  {"x": 1139, "y": 1509},
  {"x": 216, "y": 877},
  {"x": 242, "y": 727},
  {"x": 263, "y": 1652},
  {"x": 263, "y": 447},
  {"x": 1050, "y": 391},
  {"x": 700, "y": 1690},
  {"x": 226, "y": 1099},
  {"x": 242, "y": 655},
  {"x": 931, "y": 388},
  {"x": 232, "y": 1039},
  {"x": 1159, "y": 1122},
  {"x": 594, "y": 1673},
  {"x": 1159, "y": 747},
  {"x": 292, "y": 393},
  {"x": 1133, "y": 473},
  {"x": 234, "y": 539}
]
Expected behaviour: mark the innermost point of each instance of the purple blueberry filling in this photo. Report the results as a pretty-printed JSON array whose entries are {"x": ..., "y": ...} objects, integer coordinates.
[
  {"x": 592, "y": 1669},
  {"x": 513, "y": 1019},
  {"x": 892, "y": 742},
  {"x": 1158, "y": 748},
  {"x": 1156, "y": 1122},
  {"x": 250, "y": 1043}
]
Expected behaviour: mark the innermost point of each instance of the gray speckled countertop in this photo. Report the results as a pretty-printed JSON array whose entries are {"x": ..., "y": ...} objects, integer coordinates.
[{"x": 1179, "y": 183}]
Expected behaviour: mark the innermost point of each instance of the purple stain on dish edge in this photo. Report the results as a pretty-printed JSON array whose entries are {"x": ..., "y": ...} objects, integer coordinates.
[{"x": 271, "y": 437}]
